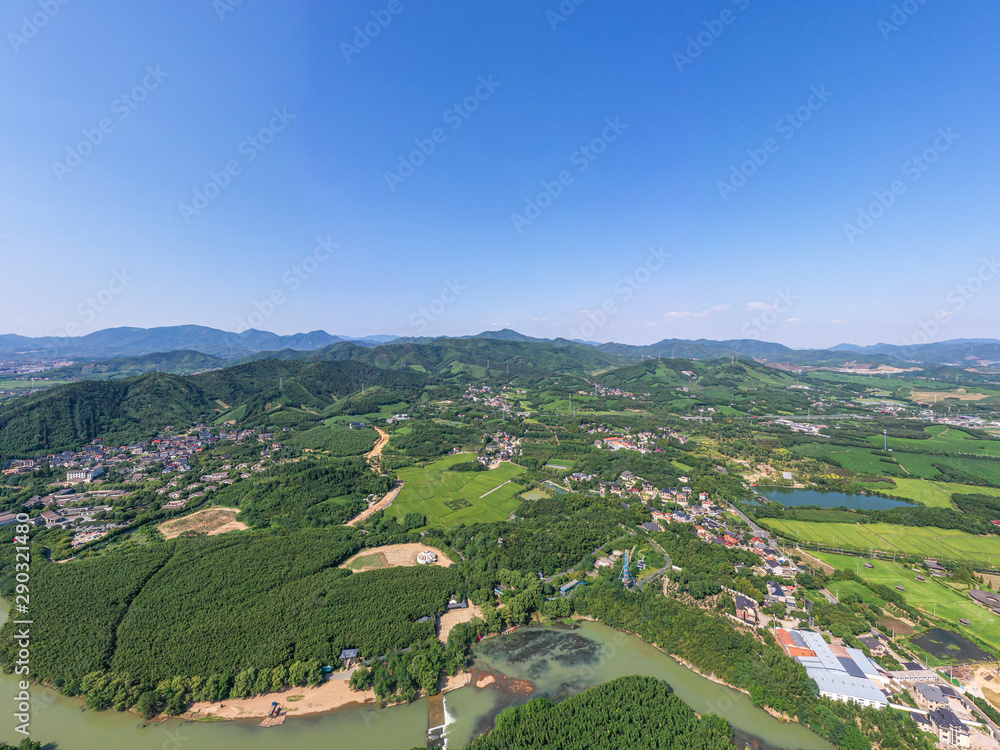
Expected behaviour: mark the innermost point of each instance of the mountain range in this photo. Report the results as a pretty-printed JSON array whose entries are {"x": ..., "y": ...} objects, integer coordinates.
[{"x": 139, "y": 342}]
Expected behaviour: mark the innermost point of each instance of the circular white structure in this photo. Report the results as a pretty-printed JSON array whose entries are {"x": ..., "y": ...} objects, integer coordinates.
[{"x": 427, "y": 557}]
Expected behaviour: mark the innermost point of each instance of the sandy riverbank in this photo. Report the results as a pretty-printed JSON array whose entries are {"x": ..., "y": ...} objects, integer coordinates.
[{"x": 300, "y": 701}]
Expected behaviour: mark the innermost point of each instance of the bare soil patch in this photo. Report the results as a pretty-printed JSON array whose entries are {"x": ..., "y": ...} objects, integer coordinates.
[
  {"x": 210, "y": 521},
  {"x": 455, "y": 616},
  {"x": 961, "y": 394},
  {"x": 382, "y": 504},
  {"x": 394, "y": 555}
]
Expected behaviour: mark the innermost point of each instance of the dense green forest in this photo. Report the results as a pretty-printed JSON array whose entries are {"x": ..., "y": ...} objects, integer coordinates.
[
  {"x": 311, "y": 492},
  {"x": 212, "y": 607},
  {"x": 630, "y": 712},
  {"x": 338, "y": 440}
]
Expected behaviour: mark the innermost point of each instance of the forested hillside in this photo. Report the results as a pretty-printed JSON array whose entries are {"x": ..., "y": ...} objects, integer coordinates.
[
  {"x": 119, "y": 411},
  {"x": 220, "y": 605}
]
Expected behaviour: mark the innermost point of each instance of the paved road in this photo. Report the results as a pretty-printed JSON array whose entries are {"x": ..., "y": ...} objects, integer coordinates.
[
  {"x": 757, "y": 530},
  {"x": 831, "y": 597}
]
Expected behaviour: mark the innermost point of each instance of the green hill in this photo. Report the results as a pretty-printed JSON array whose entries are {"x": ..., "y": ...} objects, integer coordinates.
[{"x": 120, "y": 411}]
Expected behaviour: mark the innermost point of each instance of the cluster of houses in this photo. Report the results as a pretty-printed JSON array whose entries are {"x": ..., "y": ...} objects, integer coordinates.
[
  {"x": 631, "y": 486},
  {"x": 643, "y": 441},
  {"x": 172, "y": 451},
  {"x": 603, "y": 390},
  {"x": 68, "y": 509},
  {"x": 502, "y": 447},
  {"x": 484, "y": 394},
  {"x": 806, "y": 427}
]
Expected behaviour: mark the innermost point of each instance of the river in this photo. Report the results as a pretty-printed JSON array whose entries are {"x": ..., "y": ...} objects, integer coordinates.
[{"x": 558, "y": 661}]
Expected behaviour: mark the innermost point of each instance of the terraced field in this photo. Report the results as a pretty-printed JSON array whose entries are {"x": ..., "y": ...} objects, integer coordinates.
[
  {"x": 925, "y": 541},
  {"x": 449, "y": 498}
]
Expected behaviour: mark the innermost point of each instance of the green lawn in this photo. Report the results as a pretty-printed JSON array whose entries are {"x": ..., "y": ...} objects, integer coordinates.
[
  {"x": 925, "y": 541},
  {"x": 449, "y": 498},
  {"x": 928, "y": 596}
]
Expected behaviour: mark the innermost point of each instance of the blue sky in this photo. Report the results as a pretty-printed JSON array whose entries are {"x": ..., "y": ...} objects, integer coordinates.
[{"x": 708, "y": 161}]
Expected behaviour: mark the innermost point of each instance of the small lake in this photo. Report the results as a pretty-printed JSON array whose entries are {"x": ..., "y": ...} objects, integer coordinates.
[{"x": 827, "y": 499}]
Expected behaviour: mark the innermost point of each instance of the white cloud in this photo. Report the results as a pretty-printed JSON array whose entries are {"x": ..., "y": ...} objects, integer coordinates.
[{"x": 699, "y": 314}]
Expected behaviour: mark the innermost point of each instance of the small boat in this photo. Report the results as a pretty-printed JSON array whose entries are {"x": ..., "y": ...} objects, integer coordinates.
[
  {"x": 900, "y": 588},
  {"x": 921, "y": 578},
  {"x": 964, "y": 621},
  {"x": 869, "y": 565}
]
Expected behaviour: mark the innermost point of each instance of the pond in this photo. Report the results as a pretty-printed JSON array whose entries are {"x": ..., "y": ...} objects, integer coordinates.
[
  {"x": 827, "y": 499},
  {"x": 950, "y": 647}
]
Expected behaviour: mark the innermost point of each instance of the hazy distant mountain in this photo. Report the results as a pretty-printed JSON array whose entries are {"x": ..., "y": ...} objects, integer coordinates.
[
  {"x": 137, "y": 342},
  {"x": 130, "y": 342}
]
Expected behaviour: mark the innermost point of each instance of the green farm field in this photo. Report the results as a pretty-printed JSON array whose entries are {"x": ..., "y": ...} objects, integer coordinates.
[
  {"x": 933, "y": 494},
  {"x": 450, "y": 498},
  {"x": 946, "y": 439},
  {"x": 929, "y": 596},
  {"x": 925, "y": 541}
]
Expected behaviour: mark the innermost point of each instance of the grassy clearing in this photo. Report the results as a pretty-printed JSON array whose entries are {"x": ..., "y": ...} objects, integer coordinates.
[
  {"x": 450, "y": 498},
  {"x": 928, "y": 596},
  {"x": 925, "y": 541}
]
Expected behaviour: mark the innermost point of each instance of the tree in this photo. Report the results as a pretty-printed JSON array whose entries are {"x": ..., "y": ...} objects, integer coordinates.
[{"x": 147, "y": 704}]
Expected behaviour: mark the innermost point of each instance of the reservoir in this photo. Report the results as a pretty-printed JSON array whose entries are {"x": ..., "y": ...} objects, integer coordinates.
[
  {"x": 827, "y": 499},
  {"x": 556, "y": 661}
]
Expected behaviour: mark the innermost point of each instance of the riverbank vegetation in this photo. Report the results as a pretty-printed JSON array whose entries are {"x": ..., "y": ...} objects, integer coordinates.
[{"x": 639, "y": 713}]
